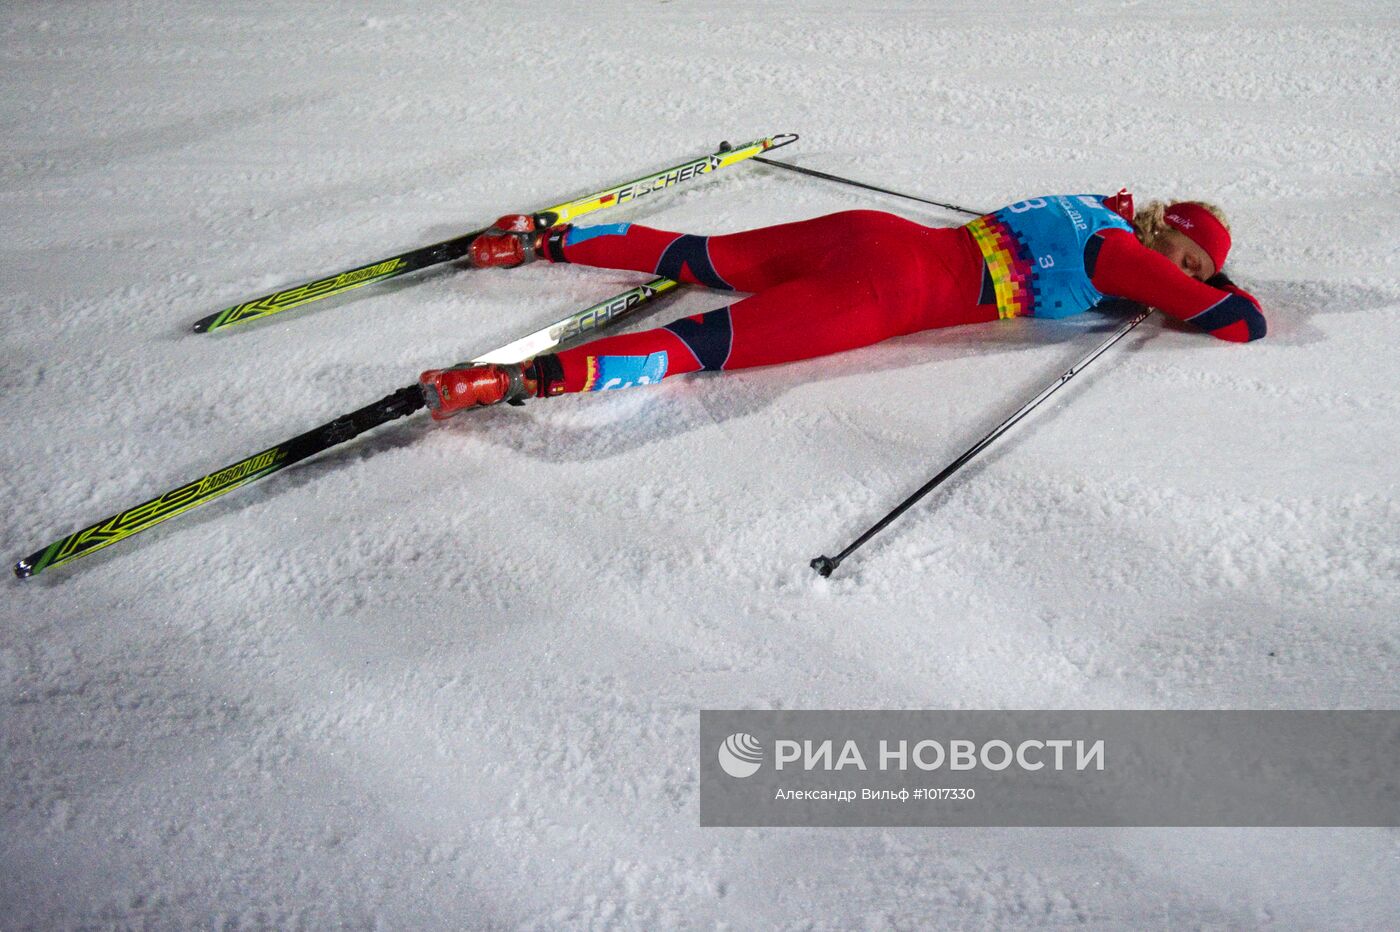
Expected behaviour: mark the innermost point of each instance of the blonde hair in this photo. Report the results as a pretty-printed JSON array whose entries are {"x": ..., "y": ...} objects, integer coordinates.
[{"x": 1149, "y": 222}]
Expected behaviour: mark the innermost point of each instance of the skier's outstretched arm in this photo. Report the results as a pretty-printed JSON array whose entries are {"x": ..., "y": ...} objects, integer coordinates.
[{"x": 1122, "y": 267}]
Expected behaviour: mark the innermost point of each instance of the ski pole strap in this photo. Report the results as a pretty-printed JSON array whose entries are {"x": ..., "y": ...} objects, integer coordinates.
[
  {"x": 827, "y": 565},
  {"x": 869, "y": 187}
]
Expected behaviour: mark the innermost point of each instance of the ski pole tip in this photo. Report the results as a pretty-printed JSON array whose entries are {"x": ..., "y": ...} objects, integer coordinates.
[{"x": 825, "y": 566}]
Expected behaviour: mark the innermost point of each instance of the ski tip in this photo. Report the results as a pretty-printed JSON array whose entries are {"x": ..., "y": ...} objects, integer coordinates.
[
  {"x": 24, "y": 569},
  {"x": 213, "y": 322}
]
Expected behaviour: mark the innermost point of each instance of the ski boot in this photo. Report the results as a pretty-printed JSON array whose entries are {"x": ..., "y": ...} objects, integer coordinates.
[
  {"x": 448, "y": 391},
  {"x": 512, "y": 240}
]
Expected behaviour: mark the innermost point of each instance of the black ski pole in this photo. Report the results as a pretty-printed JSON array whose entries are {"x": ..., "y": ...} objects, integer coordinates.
[
  {"x": 869, "y": 187},
  {"x": 827, "y": 565}
]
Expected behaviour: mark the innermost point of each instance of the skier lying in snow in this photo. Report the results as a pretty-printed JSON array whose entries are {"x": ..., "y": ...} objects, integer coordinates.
[{"x": 858, "y": 277}]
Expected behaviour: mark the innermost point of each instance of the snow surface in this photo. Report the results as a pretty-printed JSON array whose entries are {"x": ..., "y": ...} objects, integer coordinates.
[{"x": 450, "y": 676}]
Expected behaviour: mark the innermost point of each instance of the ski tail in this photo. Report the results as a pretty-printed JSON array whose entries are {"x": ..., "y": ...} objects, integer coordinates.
[
  {"x": 339, "y": 283},
  {"x": 725, "y": 156},
  {"x": 579, "y": 325},
  {"x": 177, "y": 501},
  {"x": 406, "y": 401},
  {"x": 453, "y": 249}
]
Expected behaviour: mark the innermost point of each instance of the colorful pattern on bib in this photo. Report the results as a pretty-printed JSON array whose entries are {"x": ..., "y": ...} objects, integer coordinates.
[
  {"x": 1034, "y": 250},
  {"x": 1008, "y": 264}
]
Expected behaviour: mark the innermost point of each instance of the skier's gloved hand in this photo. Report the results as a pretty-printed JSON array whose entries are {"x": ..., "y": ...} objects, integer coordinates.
[{"x": 1222, "y": 281}]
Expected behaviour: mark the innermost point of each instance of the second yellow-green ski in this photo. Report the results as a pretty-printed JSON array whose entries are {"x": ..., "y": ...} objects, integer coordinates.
[
  {"x": 577, "y": 326},
  {"x": 453, "y": 249}
]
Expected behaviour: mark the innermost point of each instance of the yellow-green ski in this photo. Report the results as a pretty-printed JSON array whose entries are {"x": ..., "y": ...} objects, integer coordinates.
[
  {"x": 574, "y": 328},
  {"x": 453, "y": 249}
]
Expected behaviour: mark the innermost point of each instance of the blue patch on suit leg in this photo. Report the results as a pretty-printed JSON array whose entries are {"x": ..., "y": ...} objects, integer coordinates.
[
  {"x": 608, "y": 372},
  {"x": 578, "y": 235}
]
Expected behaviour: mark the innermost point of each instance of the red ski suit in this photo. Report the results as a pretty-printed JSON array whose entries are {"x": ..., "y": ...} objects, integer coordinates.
[{"x": 846, "y": 280}]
